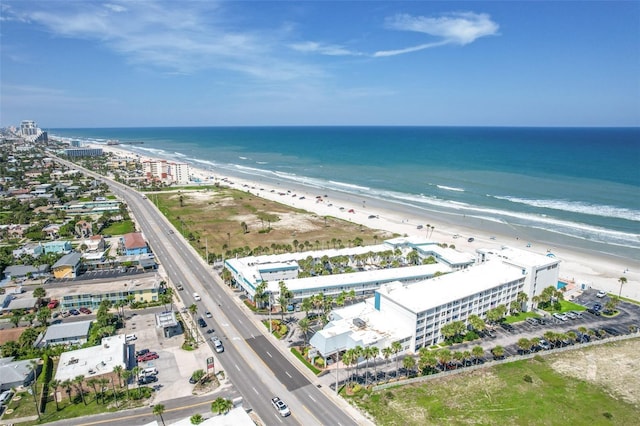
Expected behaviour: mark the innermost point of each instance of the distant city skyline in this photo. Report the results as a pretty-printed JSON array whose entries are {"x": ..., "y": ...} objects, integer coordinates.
[{"x": 249, "y": 63}]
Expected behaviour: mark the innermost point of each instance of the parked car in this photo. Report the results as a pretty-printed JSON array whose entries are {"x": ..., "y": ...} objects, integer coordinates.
[
  {"x": 506, "y": 326},
  {"x": 84, "y": 310},
  {"x": 544, "y": 344},
  {"x": 5, "y": 397},
  {"x": 146, "y": 380},
  {"x": 532, "y": 321},
  {"x": 597, "y": 306},
  {"x": 570, "y": 315},
  {"x": 471, "y": 239},
  {"x": 142, "y": 352},
  {"x": 65, "y": 314},
  {"x": 52, "y": 304},
  {"x": 150, "y": 371},
  {"x": 280, "y": 406},
  {"x": 74, "y": 312},
  {"x": 561, "y": 317},
  {"x": 593, "y": 311},
  {"x": 148, "y": 357},
  {"x": 601, "y": 294},
  {"x": 130, "y": 337}
]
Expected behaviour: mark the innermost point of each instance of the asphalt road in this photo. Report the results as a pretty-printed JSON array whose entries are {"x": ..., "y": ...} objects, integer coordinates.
[{"x": 253, "y": 364}]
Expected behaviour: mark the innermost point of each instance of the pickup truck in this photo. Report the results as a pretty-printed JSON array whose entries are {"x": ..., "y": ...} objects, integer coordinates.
[{"x": 280, "y": 406}]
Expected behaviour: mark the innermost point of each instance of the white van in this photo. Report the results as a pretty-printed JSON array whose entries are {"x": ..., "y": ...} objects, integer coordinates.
[
  {"x": 151, "y": 371},
  {"x": 196, "y": 296}
]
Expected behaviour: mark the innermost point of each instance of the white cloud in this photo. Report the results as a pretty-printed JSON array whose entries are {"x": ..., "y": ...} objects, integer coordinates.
[
  {"x": 172, "y": 37},
  {"x": 459, "y": 28},
  {"x": 324, "y": 49}
]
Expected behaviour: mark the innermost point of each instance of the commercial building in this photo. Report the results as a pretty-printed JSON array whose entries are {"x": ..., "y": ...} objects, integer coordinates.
[
  {"x": 89, "y": 293},
  {"x": 413, "y": 314},
  {"x": 94, "y": 361}
]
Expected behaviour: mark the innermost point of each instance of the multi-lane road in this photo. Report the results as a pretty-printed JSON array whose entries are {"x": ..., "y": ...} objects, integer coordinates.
[{"x": 252, "y": 362}]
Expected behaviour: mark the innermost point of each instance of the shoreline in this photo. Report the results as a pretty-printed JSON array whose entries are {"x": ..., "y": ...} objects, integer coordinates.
[{"x": 579, "y": 263}]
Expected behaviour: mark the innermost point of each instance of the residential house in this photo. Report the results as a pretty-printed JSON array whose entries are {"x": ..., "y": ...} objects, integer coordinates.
[
  {"x": 21, "y": 272},
  {"x": 94, "y": 243},
  {"x": 71, "y": 333},
  {"x": 16, "y": 231},
  {"x": 67, "y": 266},
  {"x": 83, "y": 229},
  {"x": 52, "y": 231},
  {"x": 14, "y": 374},
  {"x": 57, "y": 247},
  {"x": 31, "y": 249},
  {"x": 133, "y": 243}
]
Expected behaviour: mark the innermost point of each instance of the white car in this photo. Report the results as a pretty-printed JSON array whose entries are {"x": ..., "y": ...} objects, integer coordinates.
[
  {"x": 561, "y": 317},
  {"x": 130, "y": 337},
  {"x": 217, "y": 344},
  {"x": 197, "y": 297},
  {"x": 282, "y": 408},
  {"x": 601, "y": 294}
]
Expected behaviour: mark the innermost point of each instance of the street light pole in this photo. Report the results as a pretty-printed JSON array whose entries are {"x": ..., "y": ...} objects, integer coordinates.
[{"x": 270, "y": 331}]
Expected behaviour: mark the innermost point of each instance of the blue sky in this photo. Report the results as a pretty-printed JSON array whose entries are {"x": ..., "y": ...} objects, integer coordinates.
[{"x": 207, "y": 63}]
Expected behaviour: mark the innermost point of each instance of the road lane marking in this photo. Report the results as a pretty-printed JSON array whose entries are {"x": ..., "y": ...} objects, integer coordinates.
[
  {"x": 287, "y": 373},
  {"x": 255, "y": 390},
  {"x": 270, "y": 356},
  {"x": 309, "y": 395},
  {"x": 237, "y": 368}
]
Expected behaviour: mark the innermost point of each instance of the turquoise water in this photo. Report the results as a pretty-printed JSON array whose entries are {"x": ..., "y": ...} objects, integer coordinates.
[{"x": 580, "y": 183}]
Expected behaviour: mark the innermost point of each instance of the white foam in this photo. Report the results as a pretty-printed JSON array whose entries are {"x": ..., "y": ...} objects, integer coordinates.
[{"x": 450, "y": 188}]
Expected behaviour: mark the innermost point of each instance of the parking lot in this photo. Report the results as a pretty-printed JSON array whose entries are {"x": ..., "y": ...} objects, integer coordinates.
[
  {"x": 174, "y": 364},
  {"x": 628, "y": 316}
]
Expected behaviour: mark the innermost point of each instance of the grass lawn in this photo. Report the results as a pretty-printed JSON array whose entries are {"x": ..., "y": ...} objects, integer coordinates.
[
  {"x": 120, "y": 228},
  {"x": 212, "y": 219},
  {"x": 570, "y": 306},
  {"x": 499, "y": 395},
  {"x": 520, "y": 317}
]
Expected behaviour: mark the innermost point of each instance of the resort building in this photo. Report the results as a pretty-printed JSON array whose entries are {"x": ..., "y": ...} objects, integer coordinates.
[
  {"x": 413, "y": 314},
  {"x": 367, "y": 263},
  {"x": 180, "y": 173},
  {"x": 89, "y": 293},
  {"x": 155, "y": 169},
  {"x": 83, "y": 152}
]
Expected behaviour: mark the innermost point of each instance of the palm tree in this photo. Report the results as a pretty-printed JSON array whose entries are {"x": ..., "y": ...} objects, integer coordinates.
[
  {"x": 304, "y": 326},
  {"x": 118, "y": 370},
  {"x": 78, "y": 382},
  {"x": 386, "y": 353},
  {"x": 67, "y": 384},
  {"x": 444, "y": 357},
  {"x": 55, "y": 384},
  {"x": 307, "y": 305},
  {"x": 408, "y": 363},
  {"x": 374, "y": 351},
  {"x": 221, "y": 405},
  {"x": 366, "y": 354},
  {"x": 622, "y": 281},
  {"x": 93, "y": 382},
  {"x": 126, "y": 375},
  {"x": 358, "y": 352},
  {"x": 158, "y": 409},
  {"x": 477, "y": 353},
  {"x": 524, "y": 344},
  {"x": 396, "y": 347},
  {"x": 348, "y": 359},
  {"x": 196, "y": 419},
  {"x": 498, "y": 351}
]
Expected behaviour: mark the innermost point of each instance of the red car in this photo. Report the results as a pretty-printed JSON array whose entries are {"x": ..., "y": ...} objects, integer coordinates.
[
  {"x": 148, "y": 357},
  {"x": 85, "y": 310},
  {"x": 52, "y": 304}
]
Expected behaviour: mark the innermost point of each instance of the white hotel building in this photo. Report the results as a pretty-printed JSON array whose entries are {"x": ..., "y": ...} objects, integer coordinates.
[
  {"x": 164, "y": 171},
  {"x": 414, "y": 313},
  {"x": 250, "y": 271}
]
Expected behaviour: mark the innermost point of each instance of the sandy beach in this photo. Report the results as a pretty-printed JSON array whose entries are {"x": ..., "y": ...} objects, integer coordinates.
[{"x": 579, "y": 265}]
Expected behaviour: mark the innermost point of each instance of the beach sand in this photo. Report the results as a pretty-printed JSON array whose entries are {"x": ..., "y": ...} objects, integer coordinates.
[{"x": 579, "y": 265}]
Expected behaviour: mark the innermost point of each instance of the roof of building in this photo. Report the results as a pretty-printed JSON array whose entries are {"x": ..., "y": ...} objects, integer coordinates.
[
  {"x": 93, "y": 361},
  {"x": 522, "y": 258},
  {"x": 21, "y": 302},
  {"x": 67, "y": 330},
  {"x": 70, "y": 259},
  {"x": 134, "y": 240},
  {"x": 14, "y": 371},
  {"x": 166, "y": 319},
  {"x": 372, "y": 276},
  {"x": 22, "y": 270},
  {"x": 102, "y": 286},
  {"x": 235, "y": 417},
  {"x": 420, "y": 296}
]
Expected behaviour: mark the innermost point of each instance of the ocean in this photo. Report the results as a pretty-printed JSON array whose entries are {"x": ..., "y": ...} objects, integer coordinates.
[{"x": 577, "y": 186}]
